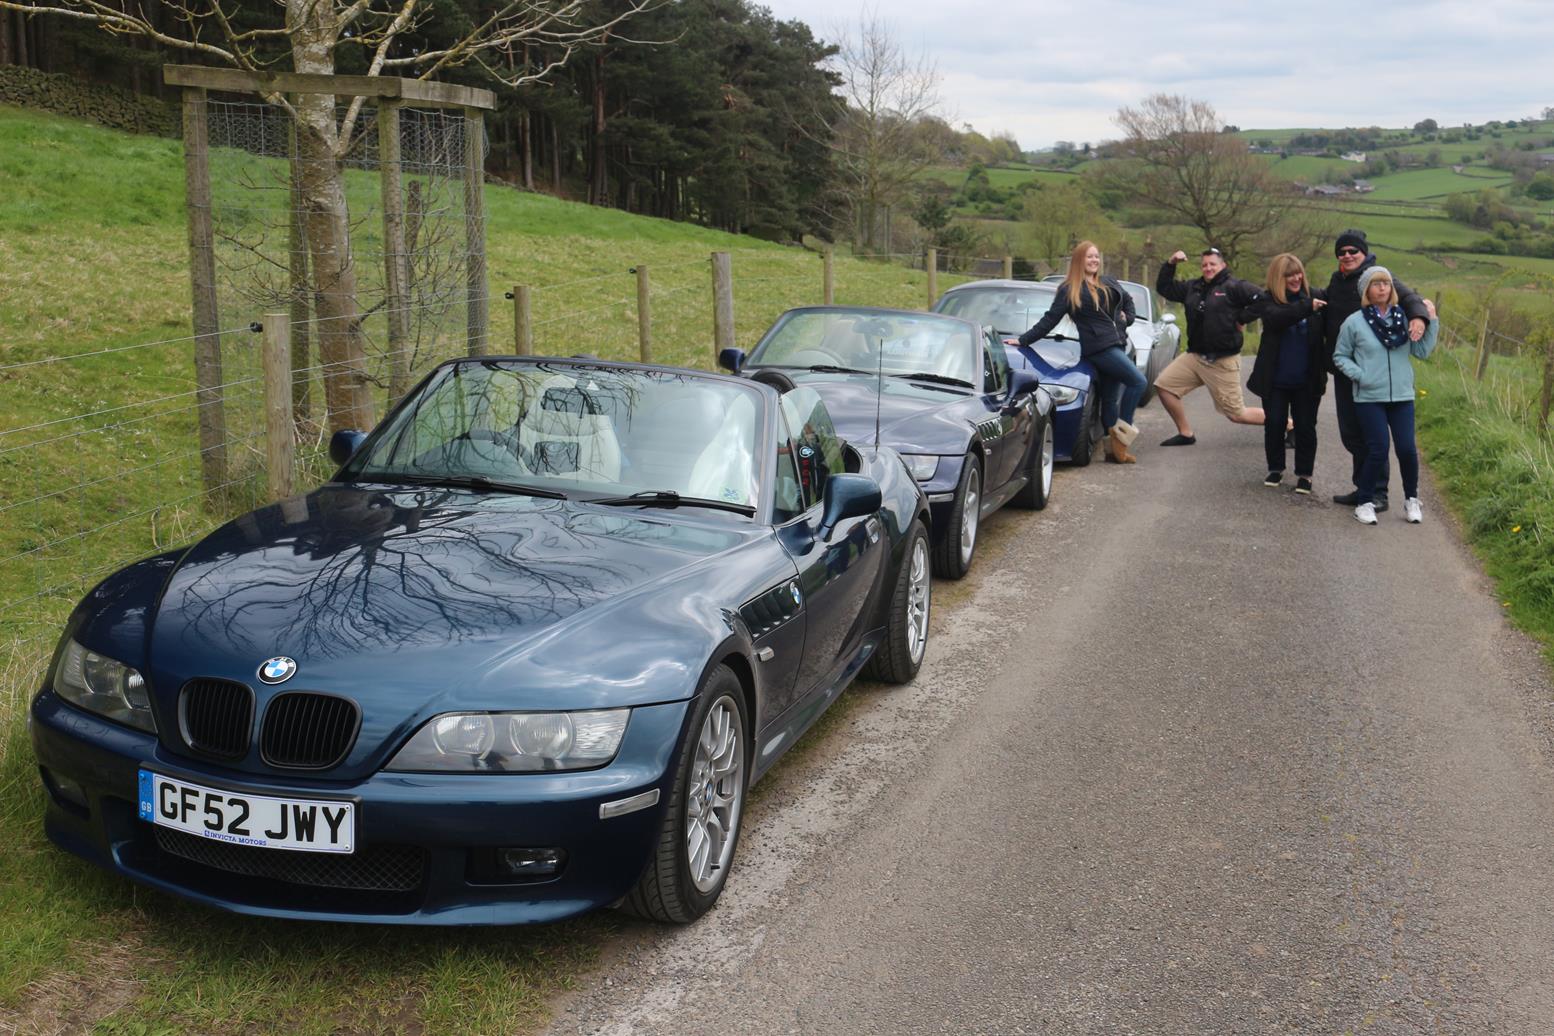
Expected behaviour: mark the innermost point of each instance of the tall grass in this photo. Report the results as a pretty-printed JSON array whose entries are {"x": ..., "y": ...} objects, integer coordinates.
[{"x": 1497, "y": 472}]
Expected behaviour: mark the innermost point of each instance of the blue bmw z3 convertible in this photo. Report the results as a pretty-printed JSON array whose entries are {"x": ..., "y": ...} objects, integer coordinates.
[{"x": 520, "y": 658}]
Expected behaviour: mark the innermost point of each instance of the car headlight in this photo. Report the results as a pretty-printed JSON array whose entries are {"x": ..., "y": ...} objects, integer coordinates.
[
  {"x": 922, "y": 466},
  {"x": 514, "y": 742},
  {"x": 1062, "y": 394},
  {"x": 102, "y": 685}
]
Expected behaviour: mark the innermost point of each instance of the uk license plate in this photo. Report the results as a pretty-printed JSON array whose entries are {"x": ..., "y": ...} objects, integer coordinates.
[{"x": 312, "y": 825}]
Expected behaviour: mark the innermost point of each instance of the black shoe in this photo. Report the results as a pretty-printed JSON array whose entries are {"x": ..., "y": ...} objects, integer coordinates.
[
  {"x": 1303, "y": 486},
  {"x": 1180, "y": 440},
  {"x": 1381, "y": 503},
  {"x": 1347, "y": 499},
  {"x": 1273, "y": 479}
]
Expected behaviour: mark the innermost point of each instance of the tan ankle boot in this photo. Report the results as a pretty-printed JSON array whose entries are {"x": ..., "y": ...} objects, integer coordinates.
[{"x": 1119, "y": 451}]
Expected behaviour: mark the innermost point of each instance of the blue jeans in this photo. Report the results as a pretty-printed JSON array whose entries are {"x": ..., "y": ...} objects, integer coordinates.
[
  {"x": 1122, "y": 385},
  {"x": 1376, "y": 421}
]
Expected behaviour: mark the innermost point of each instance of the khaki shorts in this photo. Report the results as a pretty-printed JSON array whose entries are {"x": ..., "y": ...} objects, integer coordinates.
[{"x": 1222, "y": 376}]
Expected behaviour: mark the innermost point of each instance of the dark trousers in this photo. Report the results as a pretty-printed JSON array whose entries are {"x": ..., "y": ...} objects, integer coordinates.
[
  {"x": 1377, "y": 420},
  {"x": 1280, "y": 405},
  {"x": 1352, "y": 436},
  {"x": 1122, "y": 385}
]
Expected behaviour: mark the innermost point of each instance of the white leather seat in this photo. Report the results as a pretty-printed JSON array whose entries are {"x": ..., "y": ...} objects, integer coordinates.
[{"x": 562, "y": 435}]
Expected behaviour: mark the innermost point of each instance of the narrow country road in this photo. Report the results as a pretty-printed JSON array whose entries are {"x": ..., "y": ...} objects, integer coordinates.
[{"x": 1188, "y": 755}]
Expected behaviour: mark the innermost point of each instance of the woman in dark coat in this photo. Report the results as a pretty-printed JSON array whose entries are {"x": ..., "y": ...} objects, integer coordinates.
[
  {"x": 1101, "y": 309},
  {"x": 1290, "y": 373}
]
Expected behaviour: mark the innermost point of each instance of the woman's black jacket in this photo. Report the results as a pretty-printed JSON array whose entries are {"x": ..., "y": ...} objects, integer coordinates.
[
  {"x": 1278, "y": 317},
  {"x": 1097, "y": 325}
]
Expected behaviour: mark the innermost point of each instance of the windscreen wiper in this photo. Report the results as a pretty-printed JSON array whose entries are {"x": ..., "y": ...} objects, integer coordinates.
[
  {"x": 937, "y": 379},
  {"x": 669, "y": 498},
  {"x": 477, "y": 482},
  {"x": 830, "y": 368}
]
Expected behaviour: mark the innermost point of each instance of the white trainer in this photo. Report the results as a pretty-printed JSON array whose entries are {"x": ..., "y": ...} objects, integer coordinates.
[
  {"x": 1365, "y": 514},
  {"x": 1413, "y": 510}
]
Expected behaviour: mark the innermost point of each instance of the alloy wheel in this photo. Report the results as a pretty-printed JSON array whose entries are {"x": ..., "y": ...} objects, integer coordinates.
[
  {"x": 714, "y": 795},
  {"x": 919, "y": 590}
]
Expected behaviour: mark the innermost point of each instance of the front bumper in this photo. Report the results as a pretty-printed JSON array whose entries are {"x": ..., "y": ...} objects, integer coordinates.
[{"x": 419, "y": 837}]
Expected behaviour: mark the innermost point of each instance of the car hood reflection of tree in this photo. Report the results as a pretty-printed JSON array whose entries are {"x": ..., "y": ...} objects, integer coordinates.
[{"x": 432, "y": 577}]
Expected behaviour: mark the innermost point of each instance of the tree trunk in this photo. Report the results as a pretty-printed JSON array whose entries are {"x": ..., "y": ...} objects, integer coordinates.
[
  {"x": 5, "y": 38},
  {"x": 21, "y": 39},
  {"x": 341, "y": 345},
  {"x": 596, "y": 178},
  {"x": 555, "y": 159}
]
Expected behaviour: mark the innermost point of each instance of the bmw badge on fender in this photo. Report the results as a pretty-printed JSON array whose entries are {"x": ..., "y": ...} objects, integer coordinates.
[{"x": 541, "y": 631}]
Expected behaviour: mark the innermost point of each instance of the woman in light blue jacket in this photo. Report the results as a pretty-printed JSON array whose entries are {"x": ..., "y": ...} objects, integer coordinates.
[{"x": 1373, "y": 351}]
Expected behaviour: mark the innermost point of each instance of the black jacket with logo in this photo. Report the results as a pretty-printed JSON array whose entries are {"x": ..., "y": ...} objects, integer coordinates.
[
  {"x": 1212, "y": 307},
  {"x": 1100, "y": 327},
  {"x": 1343, "y": 301}
]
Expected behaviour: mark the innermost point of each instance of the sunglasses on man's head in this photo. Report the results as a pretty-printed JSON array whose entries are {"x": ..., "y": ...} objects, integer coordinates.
[
  {"x": 1214, "y": 251},
  {"x": 1350, "y": 251}
]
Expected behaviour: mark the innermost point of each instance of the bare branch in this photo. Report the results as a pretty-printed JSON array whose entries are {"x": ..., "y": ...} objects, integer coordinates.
[{"x": 113, "y": 20}]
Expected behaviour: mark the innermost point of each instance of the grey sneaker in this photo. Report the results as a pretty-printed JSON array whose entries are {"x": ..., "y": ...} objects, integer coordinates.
[
  {"x": 1365, "y": 514},
  {"x": 1413, "y": 510}
]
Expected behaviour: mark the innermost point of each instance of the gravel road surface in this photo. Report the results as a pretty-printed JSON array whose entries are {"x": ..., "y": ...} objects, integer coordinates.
[{"x": 1188, "y": 755}]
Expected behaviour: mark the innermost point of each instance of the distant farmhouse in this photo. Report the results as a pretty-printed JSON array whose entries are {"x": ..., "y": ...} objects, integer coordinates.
[{"x": 1353, "y": 156}]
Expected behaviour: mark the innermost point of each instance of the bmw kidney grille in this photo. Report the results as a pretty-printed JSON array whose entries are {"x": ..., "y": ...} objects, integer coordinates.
[
  {"x": 216, "y": 717},
  {"x": 307, "y": 731}
]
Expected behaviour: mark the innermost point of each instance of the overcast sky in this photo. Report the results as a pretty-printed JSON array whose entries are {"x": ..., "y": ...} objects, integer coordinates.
[{"x": 1048, "y": 71}]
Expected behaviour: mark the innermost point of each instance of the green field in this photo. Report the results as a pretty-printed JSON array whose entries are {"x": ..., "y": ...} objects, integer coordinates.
[
  {"x": 92, "y": 242},
  {"x": 1414, "y": 184}
]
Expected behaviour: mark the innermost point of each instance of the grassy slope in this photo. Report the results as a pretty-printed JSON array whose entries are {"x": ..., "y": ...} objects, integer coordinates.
[{"x": 92, "y": 244}]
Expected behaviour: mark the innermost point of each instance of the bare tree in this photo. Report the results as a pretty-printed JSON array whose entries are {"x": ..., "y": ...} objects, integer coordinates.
[
  {"x": 886, "y": 135},
  {"x": 1176, "y": 158},
  {"x": 311, "y": 34}
]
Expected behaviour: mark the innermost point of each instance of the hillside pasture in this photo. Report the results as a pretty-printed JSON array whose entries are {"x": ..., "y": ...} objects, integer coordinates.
[{"x": 1420, "y": 184}]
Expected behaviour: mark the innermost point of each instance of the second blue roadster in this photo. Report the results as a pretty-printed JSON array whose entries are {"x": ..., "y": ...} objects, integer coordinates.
[
  {"x": 975, "y": 433},
  {"x": 520, "y": 658}
]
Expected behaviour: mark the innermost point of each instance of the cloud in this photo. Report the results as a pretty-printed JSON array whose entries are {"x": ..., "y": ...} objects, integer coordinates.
[{"x": 1048, "y": 71}]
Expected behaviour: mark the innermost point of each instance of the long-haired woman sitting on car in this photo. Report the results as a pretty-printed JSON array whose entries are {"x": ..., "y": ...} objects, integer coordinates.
[{"x": 1101, "y": 310}]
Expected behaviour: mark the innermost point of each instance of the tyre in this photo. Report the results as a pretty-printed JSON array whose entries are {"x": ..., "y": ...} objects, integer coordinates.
[
  {"x": 952, "y": 557},
  {"x": 700, "y": 829},
  {"x": 1089, "y": 428},
  {"x": 906, "y": 630},
  {"x": 1038, "y": 487}
]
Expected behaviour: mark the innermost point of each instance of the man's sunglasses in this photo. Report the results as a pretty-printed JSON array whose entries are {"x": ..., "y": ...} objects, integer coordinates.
[{"x": 1350, "y": 251}]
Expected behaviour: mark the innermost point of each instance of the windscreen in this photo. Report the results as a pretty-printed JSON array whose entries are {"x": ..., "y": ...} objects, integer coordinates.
[{"x": 898, "y": 344}]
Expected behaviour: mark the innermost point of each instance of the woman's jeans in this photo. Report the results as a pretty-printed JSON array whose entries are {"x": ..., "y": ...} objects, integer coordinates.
[
  {"x": 1279, "y": 406},
  {"x": 1376, "y": 421},
  {"x": 1120, "y": 377}
]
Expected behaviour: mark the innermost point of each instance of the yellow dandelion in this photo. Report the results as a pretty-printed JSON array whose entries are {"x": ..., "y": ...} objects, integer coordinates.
[
  {"x": 1505, "y": 604},
  {"x": 1516, "y": 528},
  {"x": 1424, "y": 392}
]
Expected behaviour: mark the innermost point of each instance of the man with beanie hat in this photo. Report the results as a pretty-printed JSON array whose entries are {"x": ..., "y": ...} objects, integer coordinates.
[{"x": 1343, "y": 299}]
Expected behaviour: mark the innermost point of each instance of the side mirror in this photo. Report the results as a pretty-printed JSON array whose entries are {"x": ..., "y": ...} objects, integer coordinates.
[
  {"x": 732, "y": 360},
  {"x": 1022, "y": 382},
  {"x": 344, "y": 443},
  {"x": 1168, "y": 318},
  {"x": 844, "y": 497}
]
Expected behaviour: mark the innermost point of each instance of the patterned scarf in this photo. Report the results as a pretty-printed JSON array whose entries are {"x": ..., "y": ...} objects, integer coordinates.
[{"x": 1390, "y": 328}]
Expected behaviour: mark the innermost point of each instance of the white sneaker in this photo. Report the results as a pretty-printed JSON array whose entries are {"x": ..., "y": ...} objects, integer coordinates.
[
  {"x": 1365, "y": 514},
  {"x": 1413, "y": 510}
]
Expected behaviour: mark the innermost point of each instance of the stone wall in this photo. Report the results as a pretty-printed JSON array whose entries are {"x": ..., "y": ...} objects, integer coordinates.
[{"x": 110, "y": 106}]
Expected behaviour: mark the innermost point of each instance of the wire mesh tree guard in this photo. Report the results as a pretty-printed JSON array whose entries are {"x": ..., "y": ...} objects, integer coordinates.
[{"x": 354, "y": 204}]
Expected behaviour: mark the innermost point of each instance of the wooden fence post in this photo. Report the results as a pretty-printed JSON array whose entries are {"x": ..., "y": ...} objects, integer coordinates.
[
  {"x": 828, "y": 275},
  {"x": 523, "y": 325},
  {"x": 202, "y": 274},
  {"x": 644, "y": 316},
  {"x": 301, "y": 292},
  {"x": 279, "y": 448},
  {"x": 1482, "y": 361},
  {"x": 478, "y": 323},
  {"x": 1547, "y": 395},
  {"x": 722, "y": 303},
  {"x": 1127, "y": 271},
  {"x": 933, "y": 276},
  {"x": 395, "y": 277},
  {"x": 1008, "y": 267}
]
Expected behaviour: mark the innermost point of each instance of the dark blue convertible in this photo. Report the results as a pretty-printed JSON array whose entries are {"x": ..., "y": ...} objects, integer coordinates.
[
  {"x": 974, "y": 432},
  {"x": 520, "y": 658},
  {"x": 1007, "y": 309}
]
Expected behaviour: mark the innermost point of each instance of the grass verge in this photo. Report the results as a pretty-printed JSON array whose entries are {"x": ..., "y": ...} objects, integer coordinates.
[{"x": 1497, "y": 473}]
